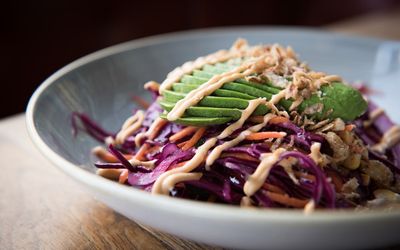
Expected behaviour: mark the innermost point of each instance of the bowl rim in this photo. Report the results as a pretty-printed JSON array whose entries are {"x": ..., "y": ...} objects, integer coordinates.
[{"x": 184, "y": 207}]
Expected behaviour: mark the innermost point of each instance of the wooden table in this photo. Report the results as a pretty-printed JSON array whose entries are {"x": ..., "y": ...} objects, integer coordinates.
[{"x": 41, "y": 208}]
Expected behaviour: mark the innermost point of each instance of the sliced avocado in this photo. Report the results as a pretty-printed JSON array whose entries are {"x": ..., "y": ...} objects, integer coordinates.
[
  {"x": 239, "y": 87},
  {"x": 186, "y": 88},
  {"x": 214, "y": 70},
  {"x": 217, "y": 102},
  {"x": 338, "y": 100},
  {"x": 205, "y": 111},
  {"x": 200, "y": 121}
]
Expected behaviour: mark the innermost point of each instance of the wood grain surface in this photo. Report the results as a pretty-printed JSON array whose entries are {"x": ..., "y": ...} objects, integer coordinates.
[{"x": 41, "y": 208}]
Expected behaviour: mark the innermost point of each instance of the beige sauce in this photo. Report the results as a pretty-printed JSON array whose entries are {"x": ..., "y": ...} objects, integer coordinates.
[
  {"x": 217, "y": 151},
  {"x": 245, "y": 202},
  {"x": 287, "y": 165},
  {"x": 253, "y": 104},
  {"x": 207, "y": 88},
  {"x": 138, "y": 138},
  {"x": 315, "y": 154},
  {"x": 129, "y": 127},
  {"x": 170, "y": 181},
  {"x": 389, "y": 139},
  {"x": 373, "y": 116},
  {"x": 198, "y": 158},
  {"x": 146, "y": 164},
  {"x": 238, "y": 49},
  {"x": 258, "y": 178},
  {"x": 309, "y": 207}
]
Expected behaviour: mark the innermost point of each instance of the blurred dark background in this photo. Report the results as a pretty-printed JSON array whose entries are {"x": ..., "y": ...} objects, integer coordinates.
[{"x": 39, "y": 37}]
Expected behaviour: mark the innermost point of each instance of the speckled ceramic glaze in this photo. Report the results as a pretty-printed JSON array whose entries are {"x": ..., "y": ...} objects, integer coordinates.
[{"x": 101, "y": 85}]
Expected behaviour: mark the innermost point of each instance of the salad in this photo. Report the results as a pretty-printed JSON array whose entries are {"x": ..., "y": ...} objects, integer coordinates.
[{"x": 254, "y": 126}]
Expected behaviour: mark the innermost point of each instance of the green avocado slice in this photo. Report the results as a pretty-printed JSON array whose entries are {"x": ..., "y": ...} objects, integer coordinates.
[
  {"x": 186, "y": 88},
  {"x": 200, "y": 121},
  {"x": 205, "y": 111},
  {"x": 216, "y": 102},
  {"x": 339, "y": 100}
]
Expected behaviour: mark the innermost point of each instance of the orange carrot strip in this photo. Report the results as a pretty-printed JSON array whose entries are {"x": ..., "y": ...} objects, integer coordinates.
[
  {"x": 278, "y": 119},
  {"x": 287, "y": 200},
  {"x": 304, "y": 175},
  {"x": 196, "y": 137},
  {"x": 161, "y": 123},
  {"x": 349, "y": 127},
  {"x": 123, "y": 176},
  {"x": 140, "y": 101},
  {"x": 180, "y": 145},
  {"x": 141, "y": 154},
  {"x": 108, "y": 157},
  {"x": 273, "y": 188},
  {"x": 184, "y": 132},
  {"x": 241, "y": 156},
  {"x": 265, "y": 135},
  {"x": 336, "y": 180},
  {"x": 153, "y": 149}
]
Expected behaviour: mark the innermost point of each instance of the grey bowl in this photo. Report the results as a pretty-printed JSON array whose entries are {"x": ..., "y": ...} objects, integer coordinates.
[{"x": 101, "y": 85}]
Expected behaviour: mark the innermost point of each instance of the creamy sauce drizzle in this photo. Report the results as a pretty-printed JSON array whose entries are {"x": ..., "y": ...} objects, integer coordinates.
[
  {"x": 389, "y": 139},
  {"x": 257, "y": 179},
  {"x": 198, "y": 158},
  {"x": 253, "y": 104},
  {"x": 315, "y": 154},
  {"x": 309, "y": 207},
  {"x": 147, "y": 164},
  {"x": 287, "y": 165},
  {"x": 129, "y": 127},
  {"x": 245, "y": 202},
  {"x": 170, "y": 181},
  {"x": 207, "y": 88},
  {"x": 373, "y": 116},
  {"x": 237, "y": 50},
  {"x": 217, "y": 151}
]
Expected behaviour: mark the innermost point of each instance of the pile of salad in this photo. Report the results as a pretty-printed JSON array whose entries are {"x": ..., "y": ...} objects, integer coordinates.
[{"x": 254, "y": 126}]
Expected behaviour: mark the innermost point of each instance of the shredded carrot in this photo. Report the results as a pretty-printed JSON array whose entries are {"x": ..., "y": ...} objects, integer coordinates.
[
  {"x": 153, "y": 149},
  {"x": 336, "y": 180},
  {"x": 180, "y": 145},
  {"x": 140, "y": 101},
  {"x": 273, "y": 188},
  {"x": 196, "y": 137},
  {"x": 304, "y": 175},
  {"x": 141, "y": 154},
  {"x": 278, "y": 119},
  {"x": 184, "y": 132},
  {"x": 349, "y": 127},
  {"x": 123, "y": 176},
  {"x": 287, "y": 200},
  {"x": 110, "y": 158},
  {"x": 241, "y": 156},
  {"x": 265, "y": 135},
  {"x": 161, "y": 123}
]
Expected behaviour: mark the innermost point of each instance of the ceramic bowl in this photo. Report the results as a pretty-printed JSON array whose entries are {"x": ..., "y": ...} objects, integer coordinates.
[{"x": 101, "y": 85}]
